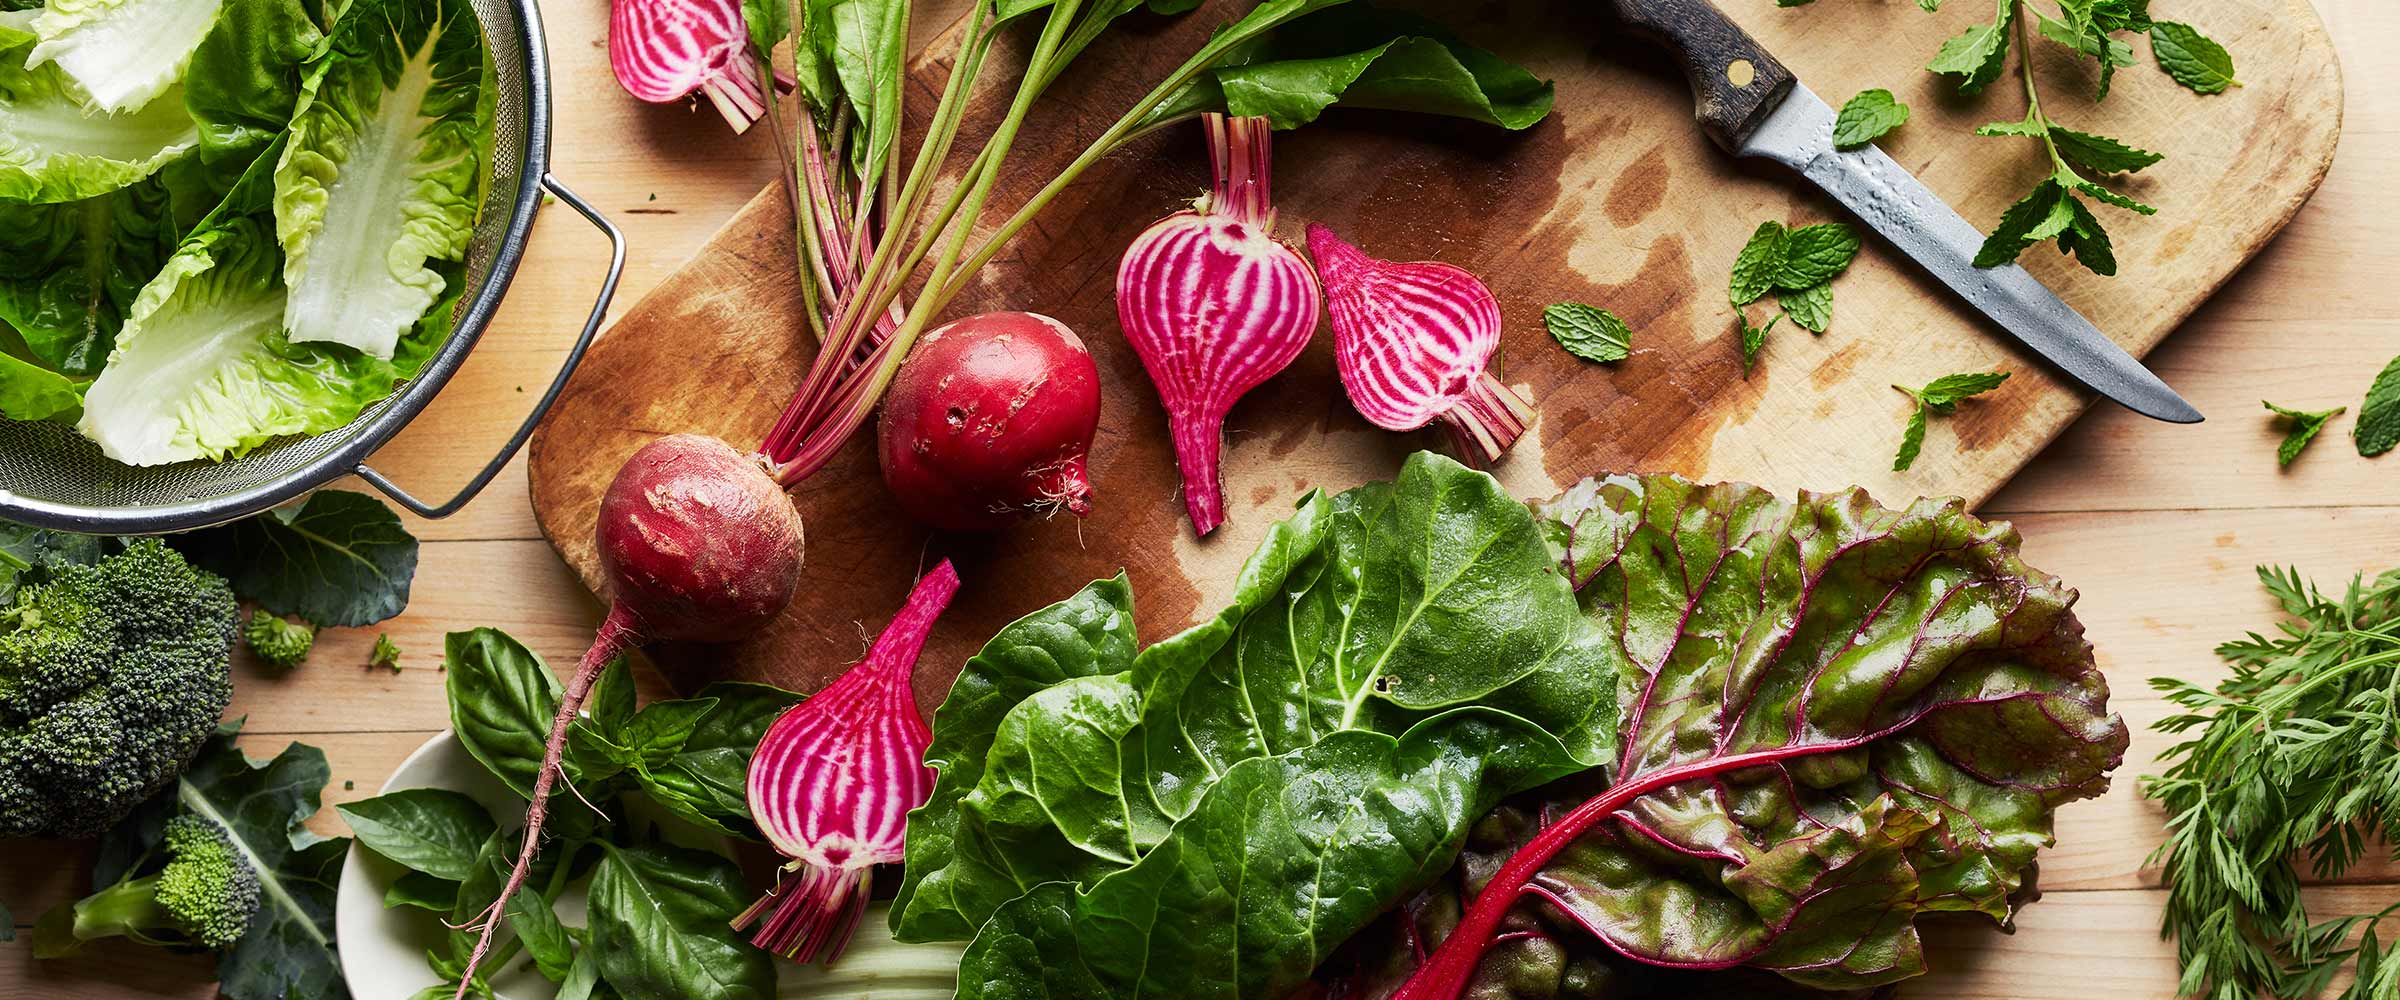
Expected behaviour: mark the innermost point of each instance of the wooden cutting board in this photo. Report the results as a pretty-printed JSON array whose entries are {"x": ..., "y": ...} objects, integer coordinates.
[{"x": 1615, "y": 200}]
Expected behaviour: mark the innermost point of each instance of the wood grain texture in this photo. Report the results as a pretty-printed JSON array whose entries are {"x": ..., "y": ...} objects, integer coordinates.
[
  {"x": 1616, "y": 200},
  {"x": 2156, "y": 525}
]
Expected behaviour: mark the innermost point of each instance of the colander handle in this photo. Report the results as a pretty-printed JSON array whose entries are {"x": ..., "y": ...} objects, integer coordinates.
[{"x": 591, "y": 328}]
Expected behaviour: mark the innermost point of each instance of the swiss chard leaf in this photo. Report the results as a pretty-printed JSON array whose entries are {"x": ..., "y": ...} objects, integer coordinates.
[
  {"x": 339, "y": 559},
  {"x": 1372, "y": 611},
  {"x": 1351, "y": 825},
  {"x": 1363, "y": 56},
  {"x": 1858, "y": 715},
  {"x": 659, "y": 924}
]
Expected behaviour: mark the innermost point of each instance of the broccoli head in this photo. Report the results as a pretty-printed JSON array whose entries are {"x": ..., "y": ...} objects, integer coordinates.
[
  {"x": 280, "y": 643},
  {"x": 203, "y": 897},
  {"x": 111, "y": 676}
]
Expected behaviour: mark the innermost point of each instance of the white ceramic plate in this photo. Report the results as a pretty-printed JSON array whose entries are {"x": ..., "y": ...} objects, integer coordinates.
[{"x": 383, "y": 950}]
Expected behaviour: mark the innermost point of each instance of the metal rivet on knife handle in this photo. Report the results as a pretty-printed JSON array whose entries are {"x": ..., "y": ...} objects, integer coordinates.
[{"x": 1733, "y": 79}]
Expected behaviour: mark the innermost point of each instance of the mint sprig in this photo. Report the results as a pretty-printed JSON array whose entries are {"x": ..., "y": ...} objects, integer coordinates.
[{"x": 1939, "y": 396}]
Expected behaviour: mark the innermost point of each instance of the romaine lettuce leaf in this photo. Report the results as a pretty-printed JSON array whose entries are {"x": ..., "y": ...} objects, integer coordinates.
[
  {"x": 69, "y": 272},
  {"x": 120, "y": 55},
  {"x": 53, "y": 149},
  {"x": 29, "y": 391},
  {"x": 382, "y": 176},
  {"x": 203, "y": 370},
  {"x": 245, "y": 77}
]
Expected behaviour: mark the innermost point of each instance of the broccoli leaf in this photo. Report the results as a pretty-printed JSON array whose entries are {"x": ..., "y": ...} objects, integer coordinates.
[
  {"x": 383, "y": 175},
  {"x": 340, "y": 559},
  {"x": 26, "y": 551},
  {"x": 264, "y": 807}
]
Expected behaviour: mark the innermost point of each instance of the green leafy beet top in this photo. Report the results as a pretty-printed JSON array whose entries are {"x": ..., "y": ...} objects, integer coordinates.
[{"x": 1822, "y": 718}]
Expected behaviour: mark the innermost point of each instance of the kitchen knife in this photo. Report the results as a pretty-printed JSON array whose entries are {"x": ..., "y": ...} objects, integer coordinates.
[{"x": 1753, "y": 107}]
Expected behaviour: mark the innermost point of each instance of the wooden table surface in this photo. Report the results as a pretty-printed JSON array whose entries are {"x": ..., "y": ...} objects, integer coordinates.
[{"x": 2158, "y": 526}]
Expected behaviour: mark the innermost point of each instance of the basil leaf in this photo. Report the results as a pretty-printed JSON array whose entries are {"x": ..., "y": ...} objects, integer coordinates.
[
  {"x": 1588, "y": 332},
  {"x": 340, "y": 559},
  {"x": 529, "y": 912},
  {"x": 431, "y": 830},
  {"x": 502, "y": 700},
  {"x": 659, "y": 923},
  {"x": 1362, "y": 56},
  {"x": 706, "y": 779},
  {"x": 422, "y": 891}
]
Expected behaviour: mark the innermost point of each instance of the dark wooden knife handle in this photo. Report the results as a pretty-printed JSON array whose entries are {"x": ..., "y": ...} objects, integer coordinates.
[{"x": 1734, "y": 81}]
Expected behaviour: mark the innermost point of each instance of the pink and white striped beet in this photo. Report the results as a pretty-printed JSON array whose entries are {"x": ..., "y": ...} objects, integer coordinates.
[
  {"x": 1414, "y": 342},
  {"x": 832, "y": 783},
  {"x": 1214, "y": 304},
  {"x": 664, "y": 50}
]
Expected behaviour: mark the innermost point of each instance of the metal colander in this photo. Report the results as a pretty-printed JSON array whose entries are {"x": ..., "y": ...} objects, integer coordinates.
[{"x": 52, "y": 477}]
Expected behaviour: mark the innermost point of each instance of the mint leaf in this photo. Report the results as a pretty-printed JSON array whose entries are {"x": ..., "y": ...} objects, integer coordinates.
[
  {"x": 1812, "y": 255},
  {"x": 1754, "y": 270},
  {"x": 1811, "y": 308},
  {"x": 2087, "y": 241},
  {"x": 2098, "y": 153},
  {"x": 2193, "y": 59},
  {"x": 2305, "y": 424},
  {"x": 1939, "y": 396},
  {"x": 1912, "y": 440},
  {"x": 1977, "y": 55},
  {"x": 2044, "y": 212},
  {"x": 2031, "y": 128},
  {"x": 1753, "y": 338},
  {"x": 2378, "y": 428},
  {"x": 1867, "y": 116},
  {"x": 1943, "y": 393},
  {"x": 1588, "y": 332}
]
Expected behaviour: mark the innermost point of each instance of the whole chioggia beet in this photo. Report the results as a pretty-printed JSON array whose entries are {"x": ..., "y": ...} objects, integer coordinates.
[
  {"x": 991, "y": 418},
  {"x": 1215, "y": 305},
  {"x": 1415, "y": 342}
]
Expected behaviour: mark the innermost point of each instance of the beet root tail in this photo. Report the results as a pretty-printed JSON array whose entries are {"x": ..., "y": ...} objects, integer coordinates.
[
  {"x": 1199, "y": 439},
  {"x": 618, "y": 633}
]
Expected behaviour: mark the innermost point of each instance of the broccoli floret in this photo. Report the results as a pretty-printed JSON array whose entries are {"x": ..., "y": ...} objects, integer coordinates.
[
  {"x": 386, "y": 654},
  {"x": 280, "y": 643},
  {"x": 204, "y": 896},
  {"x": 111, "y": 676}
]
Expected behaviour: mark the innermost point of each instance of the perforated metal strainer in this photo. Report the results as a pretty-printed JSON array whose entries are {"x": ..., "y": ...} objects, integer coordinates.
[{"x": 52, "y": 477}]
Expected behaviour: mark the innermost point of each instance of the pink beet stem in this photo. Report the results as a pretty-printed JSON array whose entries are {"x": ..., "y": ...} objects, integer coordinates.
[
  {"x": 618, "y": 632},
  {"x": 1240, "y": 154},
  {"x": 1487, "y": 420},
  {"x": 737, "y": 93},
  {"x": 897, "y": 648}
]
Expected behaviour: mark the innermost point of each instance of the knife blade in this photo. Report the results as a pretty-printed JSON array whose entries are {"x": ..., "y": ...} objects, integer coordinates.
[
  {"x": 1754, "y": 107},
  {"x": 1798, "y": 133}
]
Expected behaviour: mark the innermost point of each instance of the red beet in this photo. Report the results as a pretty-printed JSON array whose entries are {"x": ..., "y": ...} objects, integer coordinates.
[
  {"x": 699, "y": 544},
  {"x": 990, "y": 418}
]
